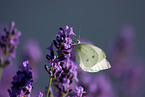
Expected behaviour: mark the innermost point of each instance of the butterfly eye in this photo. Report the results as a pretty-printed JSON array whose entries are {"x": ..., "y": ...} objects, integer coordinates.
[{"x": 78, "y": 41}]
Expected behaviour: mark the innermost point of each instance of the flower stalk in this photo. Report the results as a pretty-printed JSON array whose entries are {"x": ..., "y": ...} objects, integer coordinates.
[
  {"x": 1, "y": 70},
  {"x": 50, "y": 80}
]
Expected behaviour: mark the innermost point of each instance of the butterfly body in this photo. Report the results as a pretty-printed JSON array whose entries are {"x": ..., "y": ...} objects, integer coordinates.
[{"x": 91, "y": 58}]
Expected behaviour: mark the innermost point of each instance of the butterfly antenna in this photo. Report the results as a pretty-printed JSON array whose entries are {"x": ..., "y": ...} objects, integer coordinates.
[
  {"x": 80, "y": 31},
  {"x": 77, "y": 41}
]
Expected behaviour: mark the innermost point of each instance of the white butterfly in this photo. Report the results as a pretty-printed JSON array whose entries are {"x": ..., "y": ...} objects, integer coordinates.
[{"x": 91, "y": 58}]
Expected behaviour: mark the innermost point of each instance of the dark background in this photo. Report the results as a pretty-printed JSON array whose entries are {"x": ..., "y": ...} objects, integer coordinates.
[{"x": 100, "y": 21}]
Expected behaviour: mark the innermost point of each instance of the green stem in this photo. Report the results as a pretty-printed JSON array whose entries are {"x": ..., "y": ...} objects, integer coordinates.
[
  {"x": 50, "y": 80},
  {"x": 63, "y": 95},
  {"x": 1, "y": 71},
  {"x": 1, "y": 67}
]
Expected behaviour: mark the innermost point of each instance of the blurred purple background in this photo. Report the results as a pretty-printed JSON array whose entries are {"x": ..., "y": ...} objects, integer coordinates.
[{"x": 118, "y": 27}]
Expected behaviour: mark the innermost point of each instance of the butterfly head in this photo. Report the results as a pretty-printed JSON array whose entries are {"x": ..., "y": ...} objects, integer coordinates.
[{"x": 75, "y": 42}]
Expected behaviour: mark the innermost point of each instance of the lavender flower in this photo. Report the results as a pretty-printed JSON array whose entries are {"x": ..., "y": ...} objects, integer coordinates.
[
  {"x": 62, "y": 70},
  {"x": 79, "y": 91},
  {"x": 56, "y": 72},
  {"x": 67, "y": 78},
  {"x": 40, "y": 94},
  {"x": 22, "y": 82},
  {"x": 63, "y": 45},
  {"x": 8, "y": 44}
]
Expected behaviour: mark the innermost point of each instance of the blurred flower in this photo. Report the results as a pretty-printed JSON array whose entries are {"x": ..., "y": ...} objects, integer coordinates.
[
  {"x": 133, "y": 80},
  {"x": 120, "y": 49},
  {"x": 96, "y": 84},
  {"x": 127, "y": 32},
  {"x": 6, "y": 79},
  {"x": 127, "y": 70},
  {"x": 22, "y": 81},
  {"x": 33, "y": 53},
  {"x": 8, "y": 44},
  {"x": 32, "y": 50}
]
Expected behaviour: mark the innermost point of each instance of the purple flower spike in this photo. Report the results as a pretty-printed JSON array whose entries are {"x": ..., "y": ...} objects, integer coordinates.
[
  {"x": 62, "y": 70},
  {"x": 51, "y": 56},
  {"x": 57, "y": 70},
  {"x": 62, "y": 44},
  {"x": 67, "y": 77},
  {"x": 40, "y": 94},
  {"x": 8, "y": 44},
  {"x": 50, "y": 47},
  {"x": 25, "y": 64},
  {"x": 22, "y": 81},
  {"x": 71, "y": 32},
  {"x": 79, "y": 90},
  {"x": 66, "y": 28}
]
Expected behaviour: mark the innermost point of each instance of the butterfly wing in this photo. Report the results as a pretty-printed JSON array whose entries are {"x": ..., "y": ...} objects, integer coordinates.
[{"x": 91, "y": 58}]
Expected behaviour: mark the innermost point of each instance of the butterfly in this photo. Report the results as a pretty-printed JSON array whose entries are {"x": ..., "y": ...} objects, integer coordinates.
[{"x": 91, "y": 58}]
